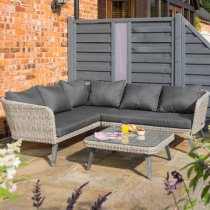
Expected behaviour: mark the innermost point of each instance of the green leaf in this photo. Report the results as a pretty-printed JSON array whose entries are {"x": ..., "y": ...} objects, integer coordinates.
[
  {"x": 203, "y": 156},
  {"x": 189, "y": 164},
  {"x": 5, "y": 193},
  {"x": 194, "y": 181},
  {"x": 2, "y": 168},
  {"x": 206, "y": 175},
  {"x": 193, "y": 155},
  {"x": 189, "y": 172},
  {"x": 198, "y": 168},
  {"x": 205, "y": 190},
  {"x": 22, "y": 164},
  {"x": 207, "y": 139},
  {"x": 20, "y": 180},
  {"x": 195, "y": 148},
  {"x": 206, "y": 199},
  {"x": 167, "y": 208}
]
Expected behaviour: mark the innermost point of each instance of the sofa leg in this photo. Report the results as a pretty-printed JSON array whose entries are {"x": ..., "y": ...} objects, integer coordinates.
[
  {"x": 201, "y": 133},
  {"x": 54, "y": 154},
  {"x": 191, "y": 143}
]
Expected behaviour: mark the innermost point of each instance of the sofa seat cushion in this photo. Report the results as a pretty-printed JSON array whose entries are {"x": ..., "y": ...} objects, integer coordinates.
[
  {"x": 106, "y": 94},
  {"x": 141, "y": 97},
  {"x": 70, "y": 121},
  {"x": 30, "y": 96},
  {"x": 172, "y": 120}
]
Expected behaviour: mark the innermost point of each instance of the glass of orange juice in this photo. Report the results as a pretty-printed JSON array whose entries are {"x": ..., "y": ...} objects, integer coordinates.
[{"x": 124, "y": 128}]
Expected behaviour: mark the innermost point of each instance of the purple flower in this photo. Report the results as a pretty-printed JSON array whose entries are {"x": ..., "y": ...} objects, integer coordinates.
[
  {"x": 37, "y": 198},
  {"x": 75, "y": 195}
]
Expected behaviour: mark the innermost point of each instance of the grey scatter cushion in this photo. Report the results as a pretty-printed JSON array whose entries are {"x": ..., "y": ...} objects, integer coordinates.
[
  {"x": 179, "y": 99},
  {"x": 55, "y": 98},
  {"x": 77, "y": 92},
  {"x": 107, "y": 94},
  {"x": 30, "y": 96},
  {"x": 143, "y": 97}
]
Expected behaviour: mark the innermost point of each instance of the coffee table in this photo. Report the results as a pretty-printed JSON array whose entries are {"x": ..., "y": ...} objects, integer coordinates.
[{"x": 154, "y": 141}]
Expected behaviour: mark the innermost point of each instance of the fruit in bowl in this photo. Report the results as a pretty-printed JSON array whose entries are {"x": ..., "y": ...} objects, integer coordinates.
[
  {"x": 141, "y": 131},
  {"x": 132, "y": 128}
]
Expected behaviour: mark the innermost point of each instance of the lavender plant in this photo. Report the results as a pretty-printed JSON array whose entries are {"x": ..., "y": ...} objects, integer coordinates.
[
  {"x": 37, "y": 198},
  {"x": 170, "y": 187},
  {"x": 98, "y": 203},
  {"x": 75, "y": 195}
]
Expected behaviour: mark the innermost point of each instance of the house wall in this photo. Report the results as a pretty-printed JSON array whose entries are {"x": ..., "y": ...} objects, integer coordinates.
[
  {"x": 33, "y": 43},
  {"x": 205, "y": 30}
]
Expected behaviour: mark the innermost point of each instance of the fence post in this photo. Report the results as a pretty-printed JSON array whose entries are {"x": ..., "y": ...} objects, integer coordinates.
[
  {"x": 179, "y": 59},
  {"x": 129, "y": 71},
  {"x": 71, "y": 49},
  {"x": 113, "y": 71}
]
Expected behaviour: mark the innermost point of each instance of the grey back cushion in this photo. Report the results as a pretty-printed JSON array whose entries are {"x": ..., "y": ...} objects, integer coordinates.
[
  {"x": 179, "y": 99},
  {"x": 55, "y": 98},
  {"x": 77, "y": 92},
  {"x": 143, "y": 97},
  {"x": 30, "y": 96},
  {"x": 107, "y": 94}
]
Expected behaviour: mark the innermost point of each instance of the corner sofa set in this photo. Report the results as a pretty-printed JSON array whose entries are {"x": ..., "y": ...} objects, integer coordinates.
[{"x": 56, "y": 113}]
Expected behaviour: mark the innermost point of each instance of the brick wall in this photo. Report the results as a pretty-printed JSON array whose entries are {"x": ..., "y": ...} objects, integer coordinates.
[{"x": 33, "y": 43}]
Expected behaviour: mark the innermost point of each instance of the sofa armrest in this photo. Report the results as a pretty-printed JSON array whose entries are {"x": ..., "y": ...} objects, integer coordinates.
[
  {"x": 30, "y": 122},
  {"x": 200, "y": 112}
]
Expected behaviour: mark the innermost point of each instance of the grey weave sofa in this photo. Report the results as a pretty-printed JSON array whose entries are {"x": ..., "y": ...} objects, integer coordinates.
[{"x": 40, "y": 123}]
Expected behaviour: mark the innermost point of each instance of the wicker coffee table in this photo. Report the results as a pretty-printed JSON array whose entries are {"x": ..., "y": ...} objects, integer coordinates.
[{"x": 154, "y": 141}]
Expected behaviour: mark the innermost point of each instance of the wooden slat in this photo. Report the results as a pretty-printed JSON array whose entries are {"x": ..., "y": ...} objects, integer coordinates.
[
  {"x": 94, "y": 38},
  {"x": 92, "y": 47},
  {"x": 187, "y": 30},
  {"x": 94, "y": 66},
  {"x": 94, "y": 57},
  {"x": 153, "y": 58},
  {"x": 191, "y": 38},
  {"x": 197, "y": 49},
  {"x": 153, "y": 38},
  {"x": 150, "y": 49},
  {"x": 197, "y": 59},
  {"x": 93, "y": 28},
  {"x": 145, "y": 44},
  {"x": 154, "y": 29},
  {"x": 198, "y": 69},
  {"x": 151, "y": 78},
  {"x": 106, "y": 76},
  {"x": 198, "y": 80},
  {"x": 151, "y": 24},
  {"x": 151, "y": 68}
]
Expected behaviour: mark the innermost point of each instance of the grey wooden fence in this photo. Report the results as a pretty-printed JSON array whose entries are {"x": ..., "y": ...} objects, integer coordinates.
[{"x": 166, "y": 51}]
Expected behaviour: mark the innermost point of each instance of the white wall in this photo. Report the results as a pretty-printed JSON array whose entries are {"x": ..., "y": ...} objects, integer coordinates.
[{"x": 206, "y": 35}]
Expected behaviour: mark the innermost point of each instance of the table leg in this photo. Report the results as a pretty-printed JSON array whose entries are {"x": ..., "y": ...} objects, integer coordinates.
[
  {"x": 90, "y": 159},
  {"x": 149, "y": 166},
  {"x": 168, "y": 152}
]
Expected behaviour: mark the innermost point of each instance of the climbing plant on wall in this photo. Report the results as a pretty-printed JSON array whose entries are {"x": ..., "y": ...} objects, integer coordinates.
[{"x": 206, "y": 5}]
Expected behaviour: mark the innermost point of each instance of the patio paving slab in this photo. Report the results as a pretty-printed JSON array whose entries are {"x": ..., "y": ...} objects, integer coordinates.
[{"x": 121, "y": 173}]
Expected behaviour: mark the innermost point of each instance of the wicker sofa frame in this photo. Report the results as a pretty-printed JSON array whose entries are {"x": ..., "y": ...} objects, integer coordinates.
[{"x": 36, "y": 123}]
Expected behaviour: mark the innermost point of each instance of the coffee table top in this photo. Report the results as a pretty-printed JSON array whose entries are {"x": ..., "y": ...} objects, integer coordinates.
[{"x": 154, "y": 141}]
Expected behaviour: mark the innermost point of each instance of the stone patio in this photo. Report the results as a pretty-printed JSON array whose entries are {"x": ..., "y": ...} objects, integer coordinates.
[{"x": 120, "y": 173}]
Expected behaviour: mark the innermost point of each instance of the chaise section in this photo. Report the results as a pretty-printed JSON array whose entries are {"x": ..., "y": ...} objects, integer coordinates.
[
  {"x": 70, "y": 121},
  {"x": 171, "y": 120}
]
